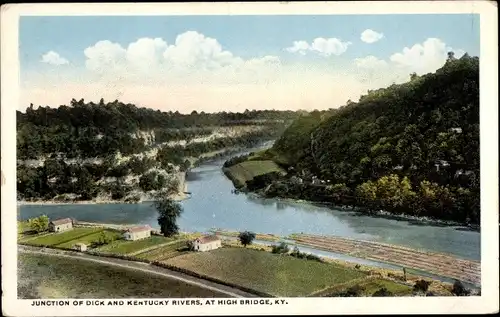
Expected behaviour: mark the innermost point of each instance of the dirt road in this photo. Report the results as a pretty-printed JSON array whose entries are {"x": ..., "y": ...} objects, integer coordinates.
[{"x": 138, "y": 266}]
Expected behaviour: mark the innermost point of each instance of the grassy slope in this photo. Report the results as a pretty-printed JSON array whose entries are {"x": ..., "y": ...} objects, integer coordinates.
[
  {"x": 43, "y": 276},
  {"x": 274, "y": 274},
  {"x": 245, "y": 171}
]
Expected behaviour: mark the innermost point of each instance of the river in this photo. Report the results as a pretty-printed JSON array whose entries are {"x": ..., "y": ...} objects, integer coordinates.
[{"x": 213, "y": 205}]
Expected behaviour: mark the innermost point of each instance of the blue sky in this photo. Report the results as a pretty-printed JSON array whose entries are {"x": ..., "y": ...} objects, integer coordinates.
[{"x": 246, "y": 37}]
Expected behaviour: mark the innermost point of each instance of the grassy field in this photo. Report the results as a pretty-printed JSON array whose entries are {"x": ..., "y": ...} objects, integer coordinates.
[
  {"x": 270, "y": 273},
  {"x": 165, "y": 252},
  {"x": 368, "y": 286},
  {"x": 115, "y": 234},
  {"x": 56, "y": 239},
  {"x": 125, "y": 247},
  {"x": 42, "y": 276},
  {"x": 245, "y": 171}
]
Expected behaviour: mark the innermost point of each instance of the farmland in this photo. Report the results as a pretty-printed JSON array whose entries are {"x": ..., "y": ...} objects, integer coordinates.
[
  {"x": 164, "y": 252},
  {"x": 88, "y": 239},
  {"x": 245, "y": 171},
  {"x": 270, "y": 273},
  {"x": 43, "y": 276},
  {"x": 125, "y": 247},
  {"x": 57, "y": 239}
]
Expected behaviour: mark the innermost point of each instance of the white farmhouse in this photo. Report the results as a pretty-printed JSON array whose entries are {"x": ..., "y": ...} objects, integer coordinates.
[
  {"x": 207, "y": 243},
  {"x": 137, "y": 233},
  {"x": 61, "y": 225}
]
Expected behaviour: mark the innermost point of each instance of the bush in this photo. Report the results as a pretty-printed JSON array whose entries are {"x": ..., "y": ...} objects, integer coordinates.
[
  {"x": 459, "y": 289},
  {"x": 421, "y": 286},
  {"x": 353, "y": 291},
  {"x": 382, "y": 292},
  {"x": 281, "y": 248}
]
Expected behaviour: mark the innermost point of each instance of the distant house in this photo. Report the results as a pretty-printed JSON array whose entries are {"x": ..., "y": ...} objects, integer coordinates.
[
  {"x": 207, "y": 243},
  {"x": 82, "y": 247},
  {"x": 296, "y": 180},
  {"x": 61, "y": 225},
  {"x": 456, "y": 130},
  {"x": 441, "y": 163},
  {"x": 137, "y": 233}
]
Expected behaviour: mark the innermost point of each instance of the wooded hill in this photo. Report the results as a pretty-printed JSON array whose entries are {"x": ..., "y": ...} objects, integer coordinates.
[
  {"x": 411, "y": 148},
  {"x": 119, "y": 151},
  {"x": 91, "y": 130}
]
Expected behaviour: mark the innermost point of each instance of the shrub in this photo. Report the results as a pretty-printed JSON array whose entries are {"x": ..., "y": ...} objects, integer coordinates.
[
  {"x": 280, "y": 248},
  {"x": 353, "y": 291},
  {"x": 382, "y": 292},
  {"x": 421, "y": 286},
  {"x": 459, "y": 289}
]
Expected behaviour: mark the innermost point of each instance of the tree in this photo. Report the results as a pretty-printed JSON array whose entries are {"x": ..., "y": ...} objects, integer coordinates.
[
  {"x": 169, "y": 211},
  {"x": 39, "y": 224},
  {"x": 246, "y": 238}
]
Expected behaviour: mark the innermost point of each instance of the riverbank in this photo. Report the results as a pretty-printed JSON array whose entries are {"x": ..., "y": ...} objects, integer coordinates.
[{"x": 380, "y": 213}]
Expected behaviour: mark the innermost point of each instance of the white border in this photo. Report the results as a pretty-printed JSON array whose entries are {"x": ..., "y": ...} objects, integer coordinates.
[{"x": 487, "y": 303}]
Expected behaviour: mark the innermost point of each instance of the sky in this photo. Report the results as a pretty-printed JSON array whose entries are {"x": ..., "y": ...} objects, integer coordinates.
[{"x": 232, "y": 63}]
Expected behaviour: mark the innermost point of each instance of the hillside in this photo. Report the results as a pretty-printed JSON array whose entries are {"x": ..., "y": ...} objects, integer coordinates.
[
  {"x": 118, "y": 151},
  {"x": 411, "y": 148}
]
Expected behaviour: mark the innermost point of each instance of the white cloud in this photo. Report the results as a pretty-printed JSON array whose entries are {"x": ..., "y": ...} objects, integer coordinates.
[
  {"x": 329, "y": 46},
  {"x": 193, "y": 49},
  {"x": 370, "y": 62},
  {"x": 105, "y": 55},
  {"x": 369, "y": 36},
  {"x": 145, "y": 53},
  {"x": 320, "y": 45},
  {"x": 53, "y": 58},
  {"x": 424, "y": 57},
  {"x": 298, "y": 47}
]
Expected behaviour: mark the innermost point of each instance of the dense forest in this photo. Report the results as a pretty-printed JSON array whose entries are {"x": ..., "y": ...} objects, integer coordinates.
[
  {"x": 119, "y": 151},
  {"x": 410, "y": 149},
  {"x": 90, "y": 130}
]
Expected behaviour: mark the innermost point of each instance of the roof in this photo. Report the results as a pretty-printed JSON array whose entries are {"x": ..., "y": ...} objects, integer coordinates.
[
  {"x": 139, "y": 229},
  {"x": 80, "y": 244},
  {"x": 61, "y": 221},
  {"x": 207, "y": 239}
]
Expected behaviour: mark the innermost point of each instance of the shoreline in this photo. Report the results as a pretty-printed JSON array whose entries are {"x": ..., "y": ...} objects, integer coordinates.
[{"x": 378, "y": 214}]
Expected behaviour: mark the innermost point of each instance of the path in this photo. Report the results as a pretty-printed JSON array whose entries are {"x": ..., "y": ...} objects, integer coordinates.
[{"x": 138, "y": 266}]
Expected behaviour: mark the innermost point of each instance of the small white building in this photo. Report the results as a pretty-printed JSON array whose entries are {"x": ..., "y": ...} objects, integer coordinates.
[
  {"x": 82, "y": 247},
  {"x": 61, "y": 225},
  {"x": 137, "y": 233},
  {"x": 207, "y": 243}
]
